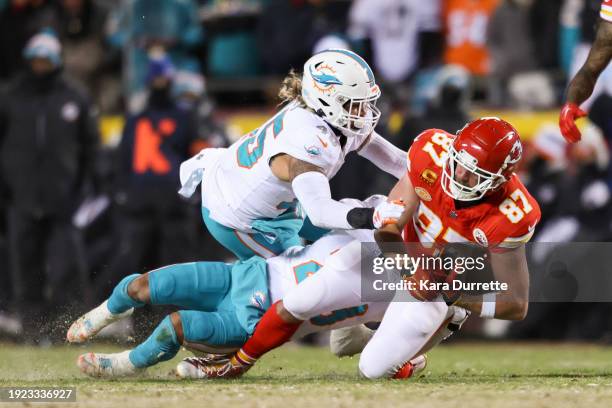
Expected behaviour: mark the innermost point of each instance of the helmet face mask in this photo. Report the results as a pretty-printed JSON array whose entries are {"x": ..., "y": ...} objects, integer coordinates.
[
  {"x": 340, "y": 87},
  {"x": 358, "y": 116},
  {"x": 463, "y": 180},
  {"x": 481, "y": 159}
]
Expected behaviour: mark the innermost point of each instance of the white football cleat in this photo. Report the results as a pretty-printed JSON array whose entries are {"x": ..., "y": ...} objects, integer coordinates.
[
  {"x": 92, "y": 322},
  {"x": 198, "y": 368},
  {"x": 189, "y": 369},
  {"x": 107, "y": 365}
]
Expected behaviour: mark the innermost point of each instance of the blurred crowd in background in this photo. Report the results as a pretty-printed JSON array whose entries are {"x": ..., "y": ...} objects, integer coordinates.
[{"x": 78, "y": 210}]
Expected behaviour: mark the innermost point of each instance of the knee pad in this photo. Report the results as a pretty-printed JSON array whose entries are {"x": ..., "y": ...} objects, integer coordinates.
[
  {"x": 193, "y": 285},
  {"x": 212, "y": 328},
  {"x": 198, "y": 326},
  {"x": 162, "y": 285}
]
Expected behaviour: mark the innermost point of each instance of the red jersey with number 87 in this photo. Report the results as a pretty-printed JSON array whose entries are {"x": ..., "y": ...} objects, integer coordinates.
[{"x": 503, "y": 219}]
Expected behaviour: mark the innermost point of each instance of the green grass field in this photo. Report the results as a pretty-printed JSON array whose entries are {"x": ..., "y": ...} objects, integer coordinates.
[{"x": 467, "y": 375}]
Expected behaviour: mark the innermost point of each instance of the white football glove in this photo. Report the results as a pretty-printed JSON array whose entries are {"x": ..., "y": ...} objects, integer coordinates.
[
  {"x": 387, "y": 212},
  {"x": 370, "y": 202},
  {"x": 373, "y": 200}
]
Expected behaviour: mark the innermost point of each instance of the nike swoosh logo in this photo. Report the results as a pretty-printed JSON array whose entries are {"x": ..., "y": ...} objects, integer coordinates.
[{"x": 322, "y": 142}]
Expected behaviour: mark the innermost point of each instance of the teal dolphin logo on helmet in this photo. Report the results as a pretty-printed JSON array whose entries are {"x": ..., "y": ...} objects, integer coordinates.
[
  {"x": 339, "y": 86},
  {"x": 325, "y": 79}
]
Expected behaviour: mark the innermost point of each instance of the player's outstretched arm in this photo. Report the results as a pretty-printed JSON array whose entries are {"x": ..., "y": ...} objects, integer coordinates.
[
  {"x": 311, "y": 187},
  {"x": 384, "y": 155},
  {"x": 582, "y": 85},
  {"x": 509, "y": 267}
]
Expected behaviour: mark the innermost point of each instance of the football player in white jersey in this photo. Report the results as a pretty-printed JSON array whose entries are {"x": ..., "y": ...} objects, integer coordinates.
[
  {"x": 443, "y": 205},
  {"x": 250, "y": 190},
  {"x": 224, "y": 309}
]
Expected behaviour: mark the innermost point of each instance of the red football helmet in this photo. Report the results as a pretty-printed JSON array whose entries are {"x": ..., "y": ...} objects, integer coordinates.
[{"x": 482, "y": 157}]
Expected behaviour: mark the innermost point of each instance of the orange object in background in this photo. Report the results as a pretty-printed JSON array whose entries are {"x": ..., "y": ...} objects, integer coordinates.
[
  {"x": 147, "y": 153},
  {"x": 465, "y": 23}
]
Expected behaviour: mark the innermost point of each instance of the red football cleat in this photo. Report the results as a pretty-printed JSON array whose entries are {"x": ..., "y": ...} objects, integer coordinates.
[{"x": 411, "y": 368}]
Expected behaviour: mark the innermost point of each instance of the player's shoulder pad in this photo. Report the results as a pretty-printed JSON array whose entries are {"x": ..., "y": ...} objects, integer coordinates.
[
  {"x": 307, "y": 137},
  {"x": 427, "y": 153},
  {"x": 518, "y": 213}
]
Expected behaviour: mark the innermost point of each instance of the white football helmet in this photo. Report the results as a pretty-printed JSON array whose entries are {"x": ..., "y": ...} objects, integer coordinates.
[{"x": 340, "y": 87}]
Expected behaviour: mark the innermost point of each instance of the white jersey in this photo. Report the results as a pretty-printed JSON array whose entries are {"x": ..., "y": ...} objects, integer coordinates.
[
  {"x": 394, "y": 26},
  {"x": 238, "y": 185},
  {"x": 287, "y": 270}
]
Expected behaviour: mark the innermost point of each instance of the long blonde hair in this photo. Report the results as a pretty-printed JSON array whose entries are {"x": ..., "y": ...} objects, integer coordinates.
[{"x": 291, "y": 89}]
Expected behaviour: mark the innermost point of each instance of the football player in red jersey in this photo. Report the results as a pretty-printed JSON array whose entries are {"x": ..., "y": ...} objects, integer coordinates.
[
  {"x": 581, "y": 86},
  {"x": 466, "y": 191},
  {"x": 457, "y": 189}
]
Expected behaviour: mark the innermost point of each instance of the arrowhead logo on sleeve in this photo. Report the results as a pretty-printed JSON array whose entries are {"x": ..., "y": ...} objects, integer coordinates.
[
  {"x": 422, "y": 193},
  {"x": 480, "y": 237}
]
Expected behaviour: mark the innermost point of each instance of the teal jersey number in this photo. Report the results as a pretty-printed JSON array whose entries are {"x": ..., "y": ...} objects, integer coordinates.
[
  {"x": 252, "y": 148},
  {"x": 309, "y": 268}
]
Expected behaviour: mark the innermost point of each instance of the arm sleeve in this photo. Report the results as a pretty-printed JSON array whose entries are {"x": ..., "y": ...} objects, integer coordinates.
[
  {"x": 313, "y": 192},
  {"x": 385, "y": 156}
]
